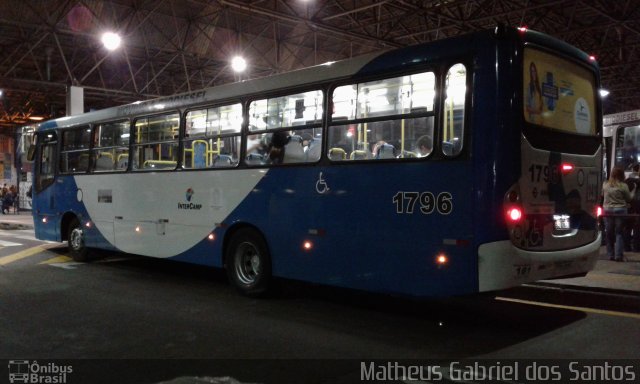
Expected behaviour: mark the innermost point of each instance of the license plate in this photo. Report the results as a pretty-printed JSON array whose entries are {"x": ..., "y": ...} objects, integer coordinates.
[{"x": 561, "y": 222}]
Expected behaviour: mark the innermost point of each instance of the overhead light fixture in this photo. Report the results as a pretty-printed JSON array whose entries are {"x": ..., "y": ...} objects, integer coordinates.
[
  {"x": 111, "y": 40},
  {"x": 36, "y": 118},
  {"x": 604, "y": 92},
  {"x": 238, "y": 64}
]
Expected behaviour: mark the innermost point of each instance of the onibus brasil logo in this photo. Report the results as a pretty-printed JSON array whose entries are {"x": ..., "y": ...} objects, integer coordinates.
[
  {"x": 25, "y": 371},
  {"x": 189, "y": 205}
]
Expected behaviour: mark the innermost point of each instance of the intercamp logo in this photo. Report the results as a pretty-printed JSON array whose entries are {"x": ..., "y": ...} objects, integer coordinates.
[{"x": 25, "y": 371}]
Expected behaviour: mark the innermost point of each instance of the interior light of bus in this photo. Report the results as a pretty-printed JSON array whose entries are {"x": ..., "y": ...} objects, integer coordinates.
[
  {"x": 442, "y": 259},
  {"x": 307, "y": 245},
  {"x": 567, "y": 167},
  {"x": 44, "y": 220},
  {"x": 88, "y": 224},
  {"x": 211, "y": 236},
  {"x": 514, "y": 214}
]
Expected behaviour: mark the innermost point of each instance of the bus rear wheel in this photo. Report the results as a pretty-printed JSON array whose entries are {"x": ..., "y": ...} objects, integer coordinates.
[
  {"x": 75, "y": 239},
  {"x": 248, "y": 263}
]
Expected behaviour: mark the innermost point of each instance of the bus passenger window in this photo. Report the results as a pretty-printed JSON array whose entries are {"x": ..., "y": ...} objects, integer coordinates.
[
  {"x": 156, "y": 145},
  {"x": 111, "y": 149},
  {"x": 213, "y": 137},
  {"x": 74, "y": 152},
  {"x": 453, "y": 116},
  {"x": 387, "y": 119},
  {"x": 285, "y": 129}
]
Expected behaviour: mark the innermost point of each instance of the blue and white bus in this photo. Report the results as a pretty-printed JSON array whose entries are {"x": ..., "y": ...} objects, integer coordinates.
[{"x": 458, "y": 166}]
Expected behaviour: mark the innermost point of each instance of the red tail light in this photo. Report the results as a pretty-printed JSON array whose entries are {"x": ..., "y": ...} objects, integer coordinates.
[
  {"x": 567, "y": 167},
  {"x": 598, "y": 211},
  {"x": 514, "y": 214}
]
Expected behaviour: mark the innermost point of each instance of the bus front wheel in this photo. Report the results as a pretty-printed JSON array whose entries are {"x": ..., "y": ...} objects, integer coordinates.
[
  {"x": 248, "y": 263},
  {"x": 75, "y": 239}
]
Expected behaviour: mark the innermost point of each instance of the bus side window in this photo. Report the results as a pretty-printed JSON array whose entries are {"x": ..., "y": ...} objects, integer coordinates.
[
  {"x": 453, "y": 116},
  {"x": 388, "y": 119},
  {"x": 46, "y": 160},
  {"x": 213, "y": 137},
  {"x": 111, "y": 149},
  {"x": 74, "y": 151},
  {"x": 156, "y": 145},
  {"x": 295, "y": 120}
]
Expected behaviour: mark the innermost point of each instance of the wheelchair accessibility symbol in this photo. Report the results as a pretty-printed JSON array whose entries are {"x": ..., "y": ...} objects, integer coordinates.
[{"x": 321, "y": 185}]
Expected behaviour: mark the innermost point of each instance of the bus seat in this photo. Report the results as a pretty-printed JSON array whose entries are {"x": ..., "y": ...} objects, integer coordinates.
[
  {"x": 222, "y": 161},
  {"x": 293, "y": 151},
  {"x": 452, "y": 148},
  {"x": 386, "y": 151},
  {"x": 104, "y": 162},
  {"x": 254, "y": 159},
  {"x": 359, "y": 154},
  {"x": 314, "y": 149},
  {"x": 123, "y": 161},
  {"x": 83, "y": 162},
  {"x": 337, "y": 154}
]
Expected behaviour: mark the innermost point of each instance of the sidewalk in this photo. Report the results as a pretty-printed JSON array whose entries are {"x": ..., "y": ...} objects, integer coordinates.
[
  {"x": 19, "y": 220},
  {"x": 623, "y": 277},
  {"x": 608, "y": 275}
]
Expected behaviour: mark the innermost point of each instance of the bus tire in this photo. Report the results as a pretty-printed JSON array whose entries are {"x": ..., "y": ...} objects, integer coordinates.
[
  {"x": 75, "y": 240},
  {"x": 248, "y": 263}
]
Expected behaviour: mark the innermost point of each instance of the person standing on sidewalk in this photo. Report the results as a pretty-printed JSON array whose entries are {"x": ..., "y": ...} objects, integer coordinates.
[{"x": 616, "y": 196}]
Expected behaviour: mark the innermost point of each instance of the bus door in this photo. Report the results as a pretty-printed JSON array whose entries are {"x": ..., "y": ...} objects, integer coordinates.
[{"x": 43, "y": 200}]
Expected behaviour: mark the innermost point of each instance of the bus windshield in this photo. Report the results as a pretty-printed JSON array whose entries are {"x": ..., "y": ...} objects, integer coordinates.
[{"x": 558, "y": 94}]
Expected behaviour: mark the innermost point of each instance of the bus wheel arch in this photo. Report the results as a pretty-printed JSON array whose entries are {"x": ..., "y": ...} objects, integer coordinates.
[
  {"x": 72, "y": 231},
  {"x": 247, "y": 260}
]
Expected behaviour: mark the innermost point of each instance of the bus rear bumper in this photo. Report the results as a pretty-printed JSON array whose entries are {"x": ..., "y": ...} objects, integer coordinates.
[{"x": 501, "y": 265}]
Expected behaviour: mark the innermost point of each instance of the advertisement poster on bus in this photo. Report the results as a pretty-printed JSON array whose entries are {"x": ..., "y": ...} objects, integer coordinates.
[{"x": 558, "y": 94}]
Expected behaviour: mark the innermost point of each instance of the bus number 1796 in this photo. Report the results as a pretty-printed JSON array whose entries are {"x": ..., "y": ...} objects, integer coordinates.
[{"x": 427, "y": 202}]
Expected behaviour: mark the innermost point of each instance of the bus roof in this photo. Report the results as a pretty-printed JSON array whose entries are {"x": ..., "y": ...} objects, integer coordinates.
[{"x": 366, "y": 64}]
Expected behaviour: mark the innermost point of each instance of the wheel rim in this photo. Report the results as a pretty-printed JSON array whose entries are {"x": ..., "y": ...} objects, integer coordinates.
[
  {"x": 76, "y": 239},
  {"x": 247, "y": 263}
]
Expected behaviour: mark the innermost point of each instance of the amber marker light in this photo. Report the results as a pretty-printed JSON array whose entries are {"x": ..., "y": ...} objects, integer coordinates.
[
  {"x": 307, "y": 245},
  {"x": 442, "y": 259}
]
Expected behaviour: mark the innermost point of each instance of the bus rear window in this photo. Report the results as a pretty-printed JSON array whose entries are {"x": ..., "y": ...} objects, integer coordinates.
[{"x": 558, "y": 94}]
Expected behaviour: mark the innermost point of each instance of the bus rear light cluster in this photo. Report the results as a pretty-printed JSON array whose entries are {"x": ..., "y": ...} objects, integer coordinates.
[
  {"x": 513, "y": 209},
  {"x": 514, "y": 214},
  {"x": 599, "y": 211}
]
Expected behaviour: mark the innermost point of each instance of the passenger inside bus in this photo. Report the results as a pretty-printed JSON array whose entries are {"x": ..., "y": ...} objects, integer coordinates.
[
  {"x": 277, "y": 146},
  {"x": 424, "y": 145}
]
